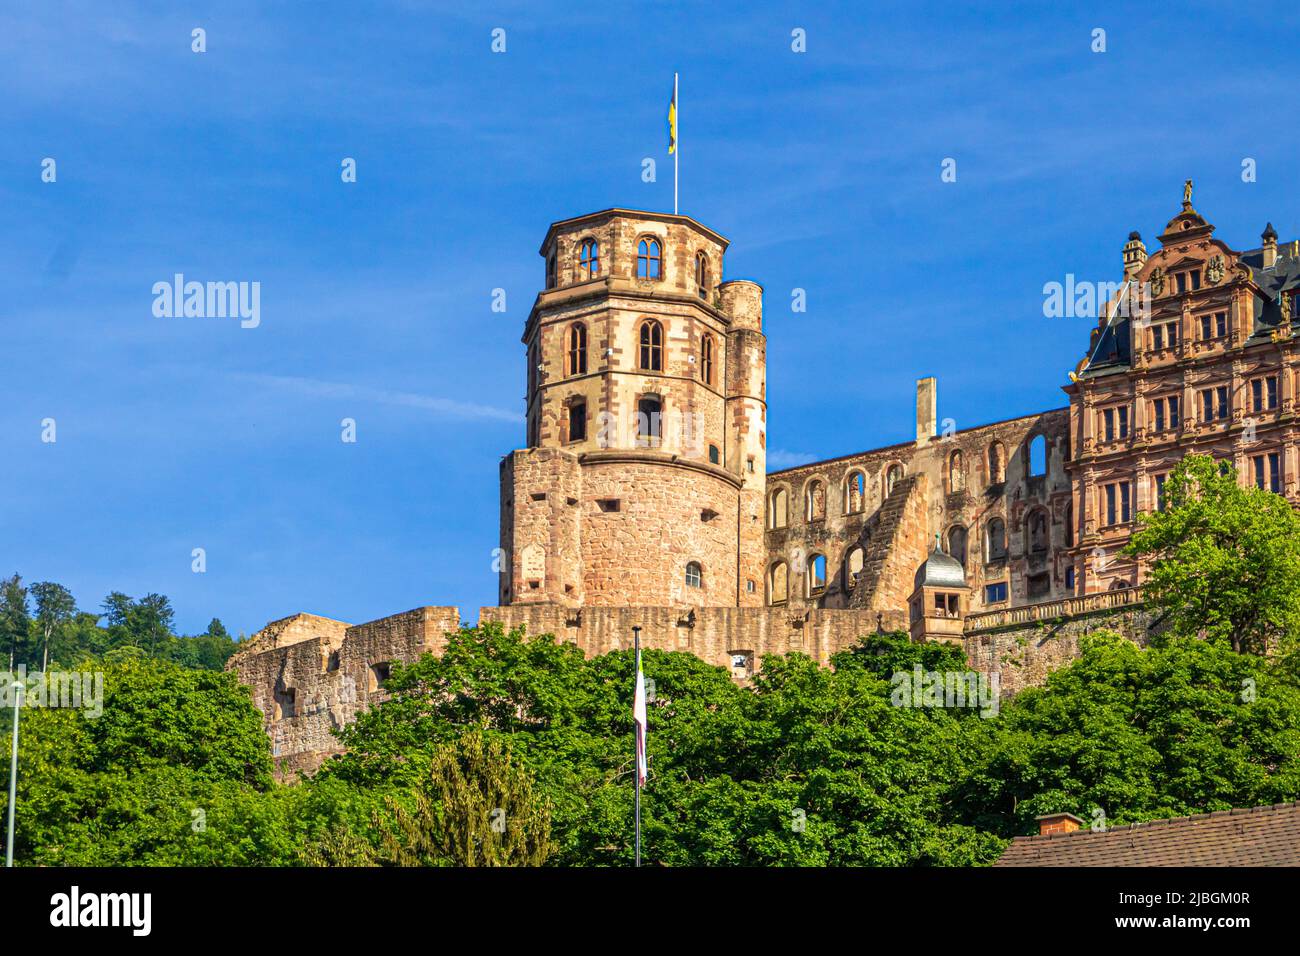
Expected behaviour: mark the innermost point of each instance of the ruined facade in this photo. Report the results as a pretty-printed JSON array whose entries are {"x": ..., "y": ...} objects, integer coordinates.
[{"x": 642, "y": 496}]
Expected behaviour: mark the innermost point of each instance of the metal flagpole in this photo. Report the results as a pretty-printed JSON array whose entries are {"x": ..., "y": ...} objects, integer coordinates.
[
  {"x": 13, "y": 775},
  {"x": 677, "y": 139},
  {"x": 636, "y": 754}
]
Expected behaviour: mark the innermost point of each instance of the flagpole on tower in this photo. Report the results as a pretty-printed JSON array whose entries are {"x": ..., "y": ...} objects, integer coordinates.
[
  {"x": 638, "y": 705},
  {"x": 676, "y": 151}
]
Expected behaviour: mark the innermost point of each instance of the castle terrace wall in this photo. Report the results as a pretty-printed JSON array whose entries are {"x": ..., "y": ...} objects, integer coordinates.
[
  {"x": 316, "y": 684},
  {"x": 1026, "y": 644},
  {"x": 713, "y": 634}
]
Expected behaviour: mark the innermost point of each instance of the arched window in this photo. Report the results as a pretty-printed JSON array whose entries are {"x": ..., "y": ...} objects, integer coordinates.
[
  {"x": 957, "y": 543},
  {"x": 995, "y": 540},
  {"x": 855, "y": 493},
  {"x": 816, "y": 574},
  {"x": 550, "y": 271},
  {"x": 649, "y": 413},
  {"x": 815, "y": 501},
  {"x": 956, "y": 473},
  {"x": 1037, "y": 456},
  {"x": 706, "y": 360},
  {"x": 852, "y": 565},
  {"x": 694, "y": 575},
  {"x": 652, "y": 346},
  {"x": 1037, "y": 531},
  {"x": 702, "y": 275},
  {"x": 589, "y": 259},
  {"x": 649, "y": 259},
  {"x": 778, "y": 508},
  {"x": 892, "y": 477},
  {"x": 778, "y": 583},
  {"x": 997, "y": 463},
  {"x": 577, "y": 349}
]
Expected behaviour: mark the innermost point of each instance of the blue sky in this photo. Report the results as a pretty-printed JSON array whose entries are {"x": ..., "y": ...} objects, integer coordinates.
[{"x": 822, "y": 168}]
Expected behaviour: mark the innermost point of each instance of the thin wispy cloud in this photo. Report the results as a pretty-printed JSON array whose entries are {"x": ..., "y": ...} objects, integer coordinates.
[{"x": 443, "y": 407}]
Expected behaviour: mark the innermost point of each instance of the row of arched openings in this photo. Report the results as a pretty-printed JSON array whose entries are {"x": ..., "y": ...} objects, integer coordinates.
[
  {"x": 649, "y": 263},
  {"x": 650, "y": 350}
]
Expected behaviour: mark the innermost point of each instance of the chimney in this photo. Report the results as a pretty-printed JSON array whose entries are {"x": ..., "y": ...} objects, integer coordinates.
[
  {"x": 1270, "y": 246},
  {"x": 926, "y": 421},
  {"x": 1057, "y": 823},
  {"x": 1135, "y": 255}
]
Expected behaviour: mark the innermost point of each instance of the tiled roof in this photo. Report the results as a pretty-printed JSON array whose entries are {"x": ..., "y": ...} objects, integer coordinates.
[{"x": 1258, "y": 836}]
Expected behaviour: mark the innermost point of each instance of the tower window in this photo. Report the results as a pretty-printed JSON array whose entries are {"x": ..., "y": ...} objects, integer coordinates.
[
  {"x": 649, "y": 259},
  {"x": 648, "y": 413},
  {"x": 714, "y": 456},
  {"x": 706, "y": 360},
  {"x": 652, "y": 346},
  {"x": 550, "y": 271},
  {"x": 694, "y": 575},
  {"x": 577, "y": 421},
  {"x": 577, "y": 349},
  {"x": 702, "y": 275},
  {"x": 589, "y": 259}
]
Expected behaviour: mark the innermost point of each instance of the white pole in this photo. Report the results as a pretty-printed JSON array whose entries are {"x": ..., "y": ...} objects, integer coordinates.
[
  {"x": 13, "y": 775},
  {"x": 677, "y": 150}
]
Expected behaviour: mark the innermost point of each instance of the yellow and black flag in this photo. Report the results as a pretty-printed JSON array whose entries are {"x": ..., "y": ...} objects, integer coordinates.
[{"x": 672, "y": 119}]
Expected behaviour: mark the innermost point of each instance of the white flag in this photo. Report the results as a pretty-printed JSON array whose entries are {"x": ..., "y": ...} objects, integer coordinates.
[{"x": 638, "y": 716}]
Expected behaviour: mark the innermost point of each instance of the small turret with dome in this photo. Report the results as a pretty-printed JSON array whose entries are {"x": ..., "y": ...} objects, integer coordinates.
[{"x": 940, "y": 598}]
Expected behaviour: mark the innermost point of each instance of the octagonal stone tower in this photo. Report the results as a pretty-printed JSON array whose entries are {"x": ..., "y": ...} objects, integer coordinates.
[{"x": 643, "y": 480}]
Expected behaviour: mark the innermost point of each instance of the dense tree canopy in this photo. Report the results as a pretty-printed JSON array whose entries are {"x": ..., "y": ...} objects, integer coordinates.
[{"x": 41, "y": 626}]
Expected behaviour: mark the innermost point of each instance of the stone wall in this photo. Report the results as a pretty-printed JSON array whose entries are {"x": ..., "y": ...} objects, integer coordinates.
[
  {"x": 714, "y": 634},
  {"x": 1025, "y": 652},
  {"x": 308, "y": 680},
  {"x": 319, "y": 681}
]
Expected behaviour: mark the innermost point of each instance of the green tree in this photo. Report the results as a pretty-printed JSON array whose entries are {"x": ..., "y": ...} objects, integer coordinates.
[
  {"x": 174, "y": 769},
  {"x": 55, "y": 609},
  {"x": 810, "y": 766},
  {"x": 15, "y": 620},
  {"x": 1140, "y": 734},
  {"x": 145, "y": 623},
  {"x": 1225, "y": 559},
  {"x": 476, "y": 808}
]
